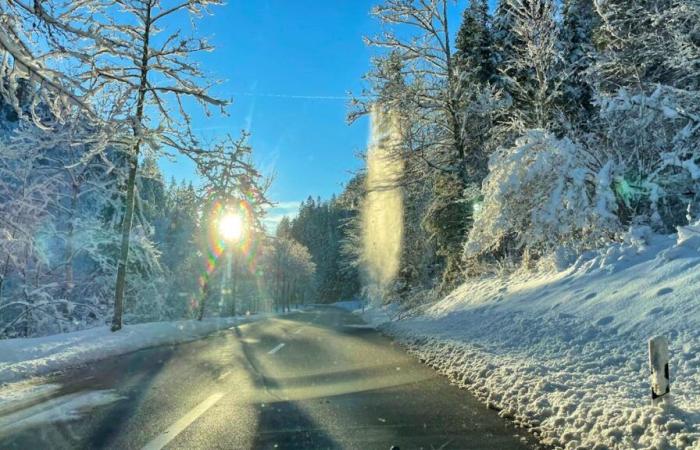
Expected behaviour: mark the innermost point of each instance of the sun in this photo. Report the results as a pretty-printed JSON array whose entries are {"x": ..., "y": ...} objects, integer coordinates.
[{"x": 231, "y": 227}]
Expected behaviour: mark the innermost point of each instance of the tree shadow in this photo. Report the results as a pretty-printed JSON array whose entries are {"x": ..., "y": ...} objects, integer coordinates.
[
  {"x": 98, "y": 428},
  {"x": 283, "y": 425}
]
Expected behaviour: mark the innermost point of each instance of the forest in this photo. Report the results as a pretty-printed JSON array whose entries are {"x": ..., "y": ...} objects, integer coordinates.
[
  {"x": 522, "y": 135},
  {"x": 527, "y": 133},
  {"x": 92, "y": 95}
]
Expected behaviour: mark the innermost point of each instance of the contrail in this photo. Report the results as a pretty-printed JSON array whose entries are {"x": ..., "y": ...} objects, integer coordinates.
[{"x": 299, "y": 97}]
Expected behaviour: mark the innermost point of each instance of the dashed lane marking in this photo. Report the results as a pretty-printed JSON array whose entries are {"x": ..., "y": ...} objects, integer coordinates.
[
  {"x": 276, "y": 349},
  {"x": 224, "y": 375},
  {"x": 171, "y": 433}
]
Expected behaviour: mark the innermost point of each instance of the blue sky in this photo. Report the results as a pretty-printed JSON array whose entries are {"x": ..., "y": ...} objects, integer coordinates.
[{"x": 275, "y": 57}]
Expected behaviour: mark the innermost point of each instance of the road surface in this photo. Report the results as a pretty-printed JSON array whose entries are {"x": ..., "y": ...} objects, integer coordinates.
[{"x": 315, "y": 379}]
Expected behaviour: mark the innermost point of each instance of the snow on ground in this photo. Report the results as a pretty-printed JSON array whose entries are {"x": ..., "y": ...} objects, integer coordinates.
[
  {"x": 565, "y": 352},
  {"x": 60, "y": 409},
  {"x": 22, "y": 358},
  {"x": 350, "y": 305}
]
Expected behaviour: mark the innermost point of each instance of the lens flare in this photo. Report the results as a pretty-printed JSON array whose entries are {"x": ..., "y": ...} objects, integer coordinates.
[
  {"x": 382, "y": 212},
  {"x": 231, "y": 227}
]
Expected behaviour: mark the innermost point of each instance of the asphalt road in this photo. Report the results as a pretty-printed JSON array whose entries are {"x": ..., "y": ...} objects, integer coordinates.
[{"x": 309, "y": 380}]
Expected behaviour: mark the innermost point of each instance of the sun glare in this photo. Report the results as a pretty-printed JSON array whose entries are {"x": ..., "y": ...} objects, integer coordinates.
[{"x": 231, "y": 227}]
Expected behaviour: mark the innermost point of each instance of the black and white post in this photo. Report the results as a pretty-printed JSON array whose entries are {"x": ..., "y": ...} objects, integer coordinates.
[{"x": 660, "y": 378}]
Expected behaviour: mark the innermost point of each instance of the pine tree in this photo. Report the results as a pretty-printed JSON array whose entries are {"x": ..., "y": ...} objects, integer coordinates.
[
  {"x": 579, "y": 27},
  {"x": 530, "y": 66},
  {"x": 322, "y": 227},
  {"x": 151, "y": 201},
  {"x": 474, "y": 44},
  {"x": 505, "y": 40}
]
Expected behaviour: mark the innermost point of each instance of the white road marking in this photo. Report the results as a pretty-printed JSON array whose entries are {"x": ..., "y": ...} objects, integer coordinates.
[
  {"x": 224, "y": 375},
  {"x": 168, "y": 435},
  {"x": 276, "y": 349}
]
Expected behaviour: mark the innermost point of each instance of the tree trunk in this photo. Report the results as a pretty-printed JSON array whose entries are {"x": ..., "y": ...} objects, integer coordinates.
[
  {"x": 288, "y": 294},
  {"x": 70, "y": 284},
  {"x": 278, "y": 288},
  {"x": 284, "y": 296},
  {"x": 203, "y": 303},
  {"x": 131, "y": 182},
  {"x": 234, "y": 285},
  {"x": 5, "y": 268},
  {"x": 124, "y": 253}
]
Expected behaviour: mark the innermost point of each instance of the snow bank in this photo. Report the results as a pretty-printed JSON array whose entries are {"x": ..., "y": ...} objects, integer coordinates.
[
  {"x": 349, "y": 305},
  {"x": 373, "y": 316},
  {"x": 60, "y": 409},
  {"x": 21, "y": 358},
  {"x": 565, "y": 353}
]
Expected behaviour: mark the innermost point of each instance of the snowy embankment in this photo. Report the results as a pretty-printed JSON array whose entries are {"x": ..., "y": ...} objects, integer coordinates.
[
  {"x": 22, "y": 358},
  {"x": 350, "y": 305},
  {"x": 565, "y": 353}
]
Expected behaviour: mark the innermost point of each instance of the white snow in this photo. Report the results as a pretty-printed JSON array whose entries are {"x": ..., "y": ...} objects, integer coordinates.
[
  {"x": 60, "y": 409},
  {"x": 349, "y": 305},
  {"x": 565, "y": 352},
  {"x": 22, "y": 358},
  {"x": 14, "y": 396},
  {"x": 536, "y": 193}
]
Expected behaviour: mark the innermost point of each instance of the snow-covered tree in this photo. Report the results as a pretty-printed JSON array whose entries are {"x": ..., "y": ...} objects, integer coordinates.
[
  {"x": 580, "y": 24},
  {"x": 180, "y": 252},
  {"x": 230, "y": 175},
  {"x": 230, "y": 180},
  {"x": 322, "y": 227},
  {"x": 291, "y": 272},
  {"x": 474, "y": 45},
  {"x": 37, "y": 64},
  {"x": 428, "y": 82},
  {"x": 149, "y": 77},
  {"x": 24, "y": 214},
  {"x": 73, "y": 234},
  {"x": 648, "y": 91},
  {"x": 530, "y": 66},
  {"x": 539, "y": 195},
  {"x": 418, "y": 33}
]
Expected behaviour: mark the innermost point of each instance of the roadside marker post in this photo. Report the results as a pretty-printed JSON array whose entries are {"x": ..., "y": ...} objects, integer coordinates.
[{"x": 660, "y": 377}]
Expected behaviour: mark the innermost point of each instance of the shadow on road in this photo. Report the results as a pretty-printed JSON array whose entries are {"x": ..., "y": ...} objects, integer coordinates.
[{"x": 282, "y": 425}]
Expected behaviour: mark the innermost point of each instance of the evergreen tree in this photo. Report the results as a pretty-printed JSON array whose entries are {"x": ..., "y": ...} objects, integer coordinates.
[
  {"x": 505, "y": 41},
  {"x": 530, "y": 66},
  {"x": 151, "y": 195},
  {"x": 579, "y": 26},
  {"x": 321, "y": 227},
  {"x": 180, "y": 252},
  {"x": 474, "y": 44}
]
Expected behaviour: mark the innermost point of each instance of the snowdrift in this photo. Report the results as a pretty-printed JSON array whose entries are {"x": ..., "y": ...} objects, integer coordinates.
[
  {"x": 565, "y": 352},
  {"x": 22, "y": 358}
]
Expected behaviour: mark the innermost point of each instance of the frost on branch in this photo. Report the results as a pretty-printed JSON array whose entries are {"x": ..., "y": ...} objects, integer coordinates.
[
  {"x": 653, "y": 137},
  {"x": 539, "y": 194}
]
